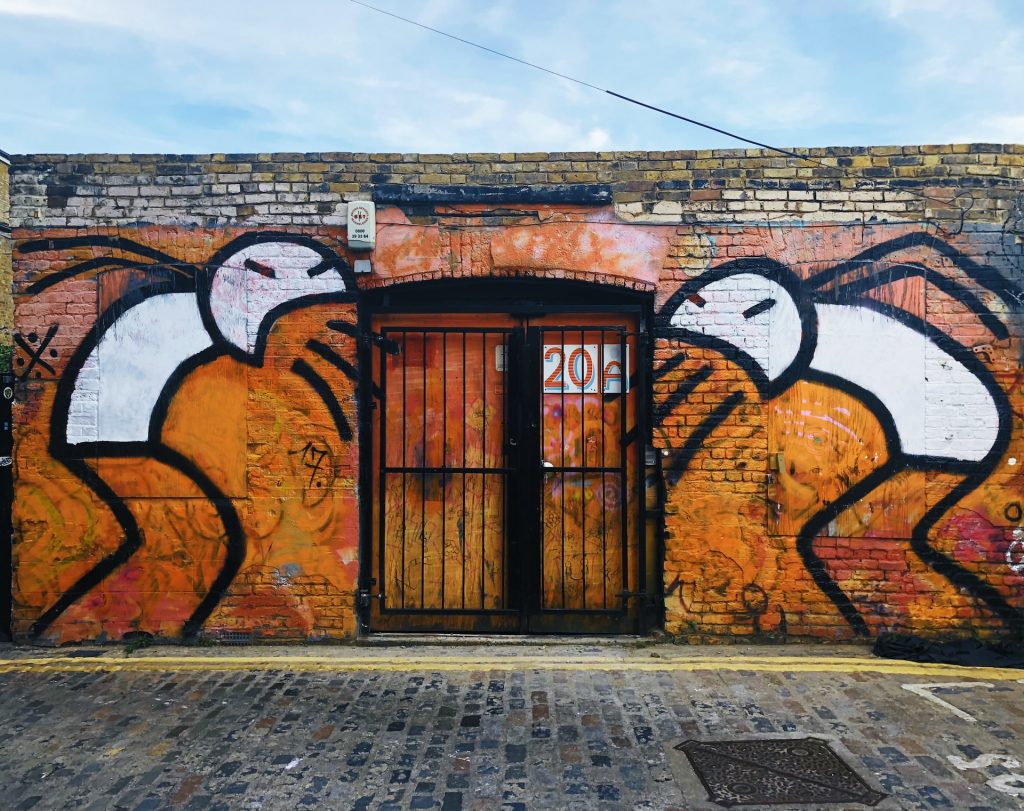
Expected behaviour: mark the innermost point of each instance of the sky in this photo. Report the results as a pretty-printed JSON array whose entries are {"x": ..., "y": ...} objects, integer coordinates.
[{"x": 198, "y": 76}]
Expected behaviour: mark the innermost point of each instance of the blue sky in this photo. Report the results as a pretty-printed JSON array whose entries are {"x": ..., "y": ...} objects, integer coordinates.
[{"x": 320, "y": 75}]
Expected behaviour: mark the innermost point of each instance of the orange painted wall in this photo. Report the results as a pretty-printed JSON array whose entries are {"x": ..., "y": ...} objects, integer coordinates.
[{"x": 748, "y": 470}]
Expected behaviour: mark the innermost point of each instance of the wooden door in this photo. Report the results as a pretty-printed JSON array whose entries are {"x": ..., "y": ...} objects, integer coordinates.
[
  {"x": 585, "y": 474},
  {"x": 505, "y": 465}
]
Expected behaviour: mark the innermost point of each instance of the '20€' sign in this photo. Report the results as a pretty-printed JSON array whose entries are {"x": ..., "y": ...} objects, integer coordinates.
[{"x": 584, "y": 369}]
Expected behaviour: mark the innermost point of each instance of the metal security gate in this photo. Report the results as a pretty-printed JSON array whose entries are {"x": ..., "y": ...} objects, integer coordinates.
[{"x": 506, "y": 474}]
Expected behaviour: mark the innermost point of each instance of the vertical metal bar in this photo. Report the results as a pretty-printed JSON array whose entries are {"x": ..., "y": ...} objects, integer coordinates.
[
  {"x": 565, "y": 371},
  {"x": 383, "y": 479},
  {"x": 444, "y": 460},
  {"x": 604, "y": 464},
  {"x": 423, "y": 485},
  {"x": 623, "y": 492},
  {"x": 464, "y": 421},
  {"x": 405, "y": 444},
  {"x": 483, "y": 466},
  {"x": 504, "y": 464},
  {"x": 583, "y": 477}
]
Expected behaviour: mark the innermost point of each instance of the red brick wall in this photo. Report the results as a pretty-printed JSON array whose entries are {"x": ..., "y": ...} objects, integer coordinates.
[{"x": 804, "y": 497}]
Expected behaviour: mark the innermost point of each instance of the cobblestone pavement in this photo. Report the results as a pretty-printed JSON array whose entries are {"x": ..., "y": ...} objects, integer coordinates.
[{"x": 484, "y": 728}]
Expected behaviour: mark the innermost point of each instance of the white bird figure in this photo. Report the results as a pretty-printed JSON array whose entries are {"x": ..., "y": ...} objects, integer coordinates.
[
  {"x": 113, "y": 397},
  {"x": 939, "y": 407}
]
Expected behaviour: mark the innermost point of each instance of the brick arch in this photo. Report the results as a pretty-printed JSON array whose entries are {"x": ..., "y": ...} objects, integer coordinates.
[
  {"x": 553, "y": 274},
  {"x": 598, "y": 251}
]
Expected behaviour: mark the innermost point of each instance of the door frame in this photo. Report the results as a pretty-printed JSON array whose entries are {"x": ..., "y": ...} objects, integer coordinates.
[{"x": 519, "y": 298}]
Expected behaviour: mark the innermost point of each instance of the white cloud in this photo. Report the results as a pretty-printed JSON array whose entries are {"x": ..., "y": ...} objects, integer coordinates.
[
  {"x": 238, "y": 75},
  {"x": 999, "y": 129}
]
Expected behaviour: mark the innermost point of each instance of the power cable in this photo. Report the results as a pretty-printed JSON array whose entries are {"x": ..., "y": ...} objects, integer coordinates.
[{"x": 786, "y": 152}]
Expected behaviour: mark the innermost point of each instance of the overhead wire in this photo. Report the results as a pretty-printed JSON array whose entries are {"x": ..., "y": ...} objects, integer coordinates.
[{"x": 778, "y": 150}]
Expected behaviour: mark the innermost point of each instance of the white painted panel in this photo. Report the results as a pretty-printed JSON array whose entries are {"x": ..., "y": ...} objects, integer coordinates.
[
  {"x": 136, "y": 356},
  {"x": 583, "y": 369},
  {"x": 83, "y": 410},
  {"x": 241, "y": 298},
  {"x": 771, "y": 337},
  {"x": 912, "y": 377},
  {"x": 961, "y": 421}
]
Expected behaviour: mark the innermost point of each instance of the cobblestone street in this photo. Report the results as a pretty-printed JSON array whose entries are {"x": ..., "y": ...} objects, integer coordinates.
[{"x": 511, "y": 727}]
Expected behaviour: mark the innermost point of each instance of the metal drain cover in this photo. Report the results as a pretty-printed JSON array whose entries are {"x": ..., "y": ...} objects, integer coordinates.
[{"x": 775, "y": 772}]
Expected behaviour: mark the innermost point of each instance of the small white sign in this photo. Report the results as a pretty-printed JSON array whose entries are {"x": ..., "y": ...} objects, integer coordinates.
[
  {"x": 362, "y": 225},
  {"x": 584, "y": 369}
]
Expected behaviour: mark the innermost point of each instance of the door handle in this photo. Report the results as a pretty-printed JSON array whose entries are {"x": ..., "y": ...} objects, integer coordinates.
[{"x": 512, "y": 441}]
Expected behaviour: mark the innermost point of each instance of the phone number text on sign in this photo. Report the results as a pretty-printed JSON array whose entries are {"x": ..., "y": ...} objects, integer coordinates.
[{"x": 584, "y": 369}]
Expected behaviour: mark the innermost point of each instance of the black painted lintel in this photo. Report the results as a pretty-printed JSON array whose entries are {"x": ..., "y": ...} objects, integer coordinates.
[{"x": 593, "y": 194}]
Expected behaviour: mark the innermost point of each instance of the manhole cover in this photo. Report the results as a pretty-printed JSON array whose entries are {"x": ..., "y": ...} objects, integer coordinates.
[{"x": 775, "y": 772}]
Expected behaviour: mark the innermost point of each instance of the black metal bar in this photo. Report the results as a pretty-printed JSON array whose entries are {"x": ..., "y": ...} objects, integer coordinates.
[
  {"x": 434, "y": 301},
  {"x": 462, "y": 581},
  {"x": 504, "y": 464},
  {"x": 405, "y": 445},
  {"x": 564, "y": 371},
  {"x": 588, "y": 612},
  {"x": 423, "y": 486},
  {"x": 483, "y": 461},
  {"x": 450, "y": 612},
  {"x": 448, "y": 330},
  {"x": 531, "y": 476},
  {"x": 583, "y": 480},
  {"x": 382, "y": 500},
  {"x": 416, "y": 470},
  {"x": 623, "y": 462},
  {"x": 444, "y": 461},
  {"x": 604, "y": 461}
]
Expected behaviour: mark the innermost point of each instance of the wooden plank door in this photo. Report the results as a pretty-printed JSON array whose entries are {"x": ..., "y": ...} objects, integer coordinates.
[
  {"x": 506, "y": 474},
  {"x": 585, "y": 470},
  {"x": 441, "y": 437}
]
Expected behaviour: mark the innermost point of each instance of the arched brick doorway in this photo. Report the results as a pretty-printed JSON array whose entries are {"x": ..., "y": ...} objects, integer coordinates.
[{"x": 507, "y": 421}]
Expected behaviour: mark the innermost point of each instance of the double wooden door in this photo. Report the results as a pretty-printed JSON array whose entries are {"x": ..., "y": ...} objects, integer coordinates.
[{"x": 506, "y": 471}]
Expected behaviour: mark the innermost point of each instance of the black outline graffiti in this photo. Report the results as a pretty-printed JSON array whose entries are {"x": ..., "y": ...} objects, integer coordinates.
[
  {"x": 187, "y": 278},
  {"x": 312, "y": 458},
  {"x": 806, "y": 294},
  {"x": 35, "y": 354}
]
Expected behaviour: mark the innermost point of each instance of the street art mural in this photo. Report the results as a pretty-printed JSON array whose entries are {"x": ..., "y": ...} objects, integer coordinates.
[
  {"x": 840, "y": 409},
  {"x": 159, "y": 411},
  {"x": 888, "y": 417}
]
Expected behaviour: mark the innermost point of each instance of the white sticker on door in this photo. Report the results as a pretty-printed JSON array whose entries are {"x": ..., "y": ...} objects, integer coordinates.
[{"x": 584, "y": 369}]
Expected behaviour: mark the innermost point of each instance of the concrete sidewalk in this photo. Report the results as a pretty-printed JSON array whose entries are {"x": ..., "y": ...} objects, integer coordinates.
[{"x": 518, "y": 725}]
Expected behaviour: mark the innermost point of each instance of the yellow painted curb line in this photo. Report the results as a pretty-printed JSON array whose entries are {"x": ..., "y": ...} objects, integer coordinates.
[{"x": 461, "y": 664}]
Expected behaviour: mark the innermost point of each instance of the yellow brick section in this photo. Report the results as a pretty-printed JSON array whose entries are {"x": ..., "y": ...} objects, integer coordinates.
[{"x": 887, "y": 182}]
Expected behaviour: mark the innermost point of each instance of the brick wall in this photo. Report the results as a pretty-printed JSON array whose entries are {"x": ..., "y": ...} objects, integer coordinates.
[
  {"x": 837, "y": 377},
  {"x": 848, "y": 184}
]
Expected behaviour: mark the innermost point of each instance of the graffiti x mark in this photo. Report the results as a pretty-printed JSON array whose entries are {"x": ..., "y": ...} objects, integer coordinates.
[{"x": 35, "y": 354}]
